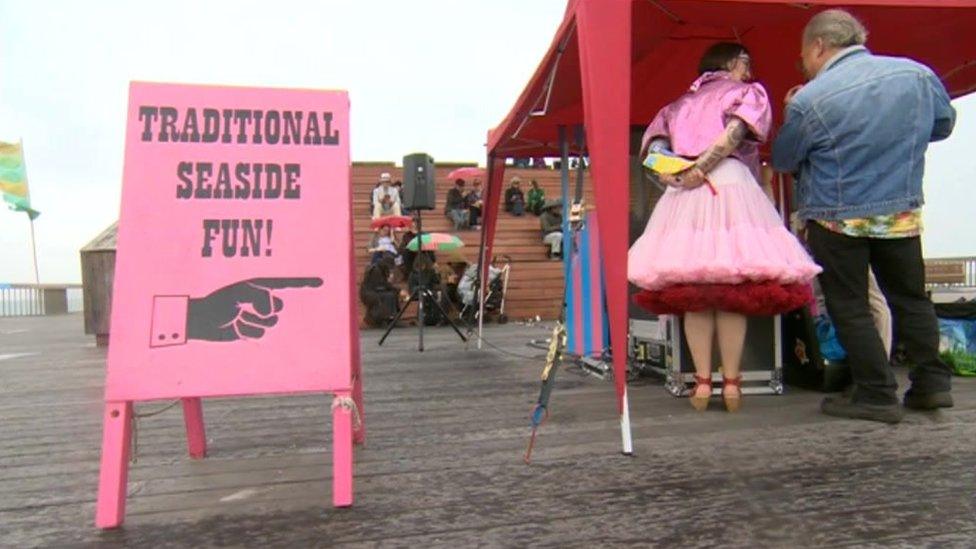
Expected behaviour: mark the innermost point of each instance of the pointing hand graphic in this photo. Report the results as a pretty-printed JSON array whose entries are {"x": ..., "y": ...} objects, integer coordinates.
[{"x": 243, "y": 310}]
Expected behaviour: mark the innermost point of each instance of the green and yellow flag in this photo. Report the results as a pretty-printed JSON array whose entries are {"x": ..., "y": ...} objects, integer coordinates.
[{"x": 13, "y": 179}]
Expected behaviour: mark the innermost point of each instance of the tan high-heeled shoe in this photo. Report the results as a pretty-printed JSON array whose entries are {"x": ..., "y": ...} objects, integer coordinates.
[
  {"x": 732, "y": 402},
  {"x": 700, "y": 403}
]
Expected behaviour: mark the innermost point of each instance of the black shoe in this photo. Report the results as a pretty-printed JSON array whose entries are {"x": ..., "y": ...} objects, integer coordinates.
[
  {"x": 842, "y": 407},
  {"x": 927, "y": 401}
]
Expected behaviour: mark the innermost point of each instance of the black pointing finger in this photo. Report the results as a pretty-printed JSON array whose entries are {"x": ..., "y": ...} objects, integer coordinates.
[{"x": 288, "y": 282}]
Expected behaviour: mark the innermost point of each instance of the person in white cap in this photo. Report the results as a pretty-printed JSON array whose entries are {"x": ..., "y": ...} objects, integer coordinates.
[{"x": 386, "y": 198}]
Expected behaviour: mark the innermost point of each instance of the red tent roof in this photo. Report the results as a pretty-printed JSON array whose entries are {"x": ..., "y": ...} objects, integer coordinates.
[{"x": 669, "y": 36}]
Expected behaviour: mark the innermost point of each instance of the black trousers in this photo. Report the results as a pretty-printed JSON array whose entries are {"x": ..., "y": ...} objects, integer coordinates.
[
  {"x": 474, "y": 218},
  {"x": 900, "y": 270}
]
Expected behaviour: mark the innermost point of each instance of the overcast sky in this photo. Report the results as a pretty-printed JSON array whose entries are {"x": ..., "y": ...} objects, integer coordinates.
[{"x": 415, "y": 72}]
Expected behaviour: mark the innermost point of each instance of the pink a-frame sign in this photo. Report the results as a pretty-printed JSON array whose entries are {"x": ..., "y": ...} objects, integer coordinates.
[{"x": 234, "y": 272}]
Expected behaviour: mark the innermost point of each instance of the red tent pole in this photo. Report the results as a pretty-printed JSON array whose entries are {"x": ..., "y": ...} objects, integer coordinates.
[
  {"x": 493, "y": 192},
  {"x": 604, "y": 30}
]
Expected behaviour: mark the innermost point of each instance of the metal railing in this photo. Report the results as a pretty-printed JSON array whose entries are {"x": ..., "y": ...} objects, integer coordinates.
[
  {"x": 39, "y": 299},
  {"x": 52, "y": 299}
]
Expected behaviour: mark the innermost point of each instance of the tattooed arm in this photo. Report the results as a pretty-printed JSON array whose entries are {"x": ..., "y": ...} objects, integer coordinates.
[
  {"x": 726, "y": 144},
  {"x": 735, "y": 132}
]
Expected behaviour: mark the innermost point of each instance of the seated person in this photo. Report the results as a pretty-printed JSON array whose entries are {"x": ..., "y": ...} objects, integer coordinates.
[
  {"x": 455, "y": 208},
  {"x": 383, "y": 245},
  {"x": 425, "y": 274},
  {"x": 378, "y": 293},
  {"x": 451, "y": 273},
  {"x": 551, "y": 221},
  {"x": 514, "y": 198},
  {"x": 468, "y": 284},
  {"x": 537, "y": 198},
  {"x": 475, "y": 203},
  {"x": 407, "y": 255},
  {"x": 386, "y": 198}
]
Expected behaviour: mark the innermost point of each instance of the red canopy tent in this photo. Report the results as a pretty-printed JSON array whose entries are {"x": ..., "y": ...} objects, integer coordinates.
[{"x": 614, "y": 63}]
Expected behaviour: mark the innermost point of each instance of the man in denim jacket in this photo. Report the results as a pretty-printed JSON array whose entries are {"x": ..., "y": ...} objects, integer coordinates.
[{"x": 856, "y": 135}]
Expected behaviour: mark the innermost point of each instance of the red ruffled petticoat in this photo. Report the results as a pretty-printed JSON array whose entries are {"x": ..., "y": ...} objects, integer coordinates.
[{"x": 748, "y": 298}]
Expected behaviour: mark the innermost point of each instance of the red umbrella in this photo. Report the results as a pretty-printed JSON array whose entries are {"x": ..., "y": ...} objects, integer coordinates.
[
  {"x": 392, "y": 221},
  {"x": 466, "y": 173}
]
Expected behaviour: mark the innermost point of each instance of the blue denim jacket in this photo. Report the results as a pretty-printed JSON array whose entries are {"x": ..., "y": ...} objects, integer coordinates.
[{"x": 857, "y": 136}]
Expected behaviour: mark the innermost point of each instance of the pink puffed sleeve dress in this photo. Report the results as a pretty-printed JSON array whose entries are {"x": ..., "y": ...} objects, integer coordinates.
[{"x": 728, "y": 250}]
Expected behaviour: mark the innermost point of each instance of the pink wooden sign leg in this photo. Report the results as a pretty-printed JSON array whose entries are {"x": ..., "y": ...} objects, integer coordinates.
[
  {"x": 356, "y": 366},
  {"x": 359, "y": 427},
  {"x": 342, "y": 415},
  {"x": 114, "y": 475},
  {"x": 196, "y": 435}
]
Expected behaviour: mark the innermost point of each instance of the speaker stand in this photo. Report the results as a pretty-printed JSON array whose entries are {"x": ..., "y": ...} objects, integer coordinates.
[{"x": 418, "y": 295}]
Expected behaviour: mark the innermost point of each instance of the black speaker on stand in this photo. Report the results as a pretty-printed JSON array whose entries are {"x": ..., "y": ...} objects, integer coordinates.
[
  {"x": 418, "y": 182},
  {"x": 419, "y": 195}
]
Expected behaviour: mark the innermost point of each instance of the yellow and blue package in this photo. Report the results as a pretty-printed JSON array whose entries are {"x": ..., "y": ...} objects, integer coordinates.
[{"x": 665, "y": 163}]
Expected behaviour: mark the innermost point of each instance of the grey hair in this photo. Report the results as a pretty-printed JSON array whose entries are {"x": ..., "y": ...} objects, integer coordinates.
[{"x": 837, "y": 28}]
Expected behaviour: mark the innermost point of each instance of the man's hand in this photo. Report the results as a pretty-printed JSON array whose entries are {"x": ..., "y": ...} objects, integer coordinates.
[
  {"x": 243, "y": 310},
  {"x": 792, "y": 93}
]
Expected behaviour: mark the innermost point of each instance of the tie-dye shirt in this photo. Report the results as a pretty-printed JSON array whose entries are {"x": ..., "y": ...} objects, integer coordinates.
[{"x": 905, "y": 224}]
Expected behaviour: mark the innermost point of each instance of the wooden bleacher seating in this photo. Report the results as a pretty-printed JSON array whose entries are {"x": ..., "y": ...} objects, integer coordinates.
[{"x": 536, "y": 283}]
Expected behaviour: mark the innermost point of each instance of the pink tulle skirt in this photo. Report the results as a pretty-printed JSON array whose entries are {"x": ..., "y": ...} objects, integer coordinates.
[{"x": 717, "y": 241}]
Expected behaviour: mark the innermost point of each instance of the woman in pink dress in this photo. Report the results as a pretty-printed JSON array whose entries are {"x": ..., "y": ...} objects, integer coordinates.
[{"x": 715, "y": 250}]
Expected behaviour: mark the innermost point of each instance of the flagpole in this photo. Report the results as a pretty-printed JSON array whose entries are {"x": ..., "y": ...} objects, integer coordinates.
[
  {"x": 23, "y": 159},
  {"x": 37, "y": 276}
]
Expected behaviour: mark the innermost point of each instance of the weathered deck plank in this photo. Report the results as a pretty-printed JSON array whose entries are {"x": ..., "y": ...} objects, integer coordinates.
[{"x": 442, "y": 465}]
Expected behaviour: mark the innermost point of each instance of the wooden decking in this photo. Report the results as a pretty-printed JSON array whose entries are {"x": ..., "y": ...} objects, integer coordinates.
[{"x": 442, "y": 465}]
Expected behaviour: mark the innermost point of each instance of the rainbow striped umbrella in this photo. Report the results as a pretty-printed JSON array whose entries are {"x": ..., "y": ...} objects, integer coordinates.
[{"x": 437, "y": 242}]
